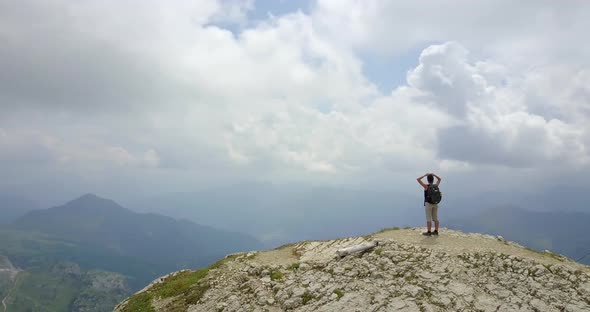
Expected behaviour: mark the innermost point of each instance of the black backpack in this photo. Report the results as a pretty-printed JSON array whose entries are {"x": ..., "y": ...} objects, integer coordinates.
[{"x": 433, "y": 194}]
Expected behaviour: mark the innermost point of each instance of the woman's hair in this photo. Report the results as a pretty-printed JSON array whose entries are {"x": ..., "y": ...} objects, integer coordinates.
[{"x": 430, "y": 178}]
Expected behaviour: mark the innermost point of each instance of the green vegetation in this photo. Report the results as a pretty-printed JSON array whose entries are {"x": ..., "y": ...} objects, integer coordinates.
[
  {"x": 221, "y": 262},
  {"x": 339, "y": 293},
  {"x": 556, "y": 256},
  {"x": 307, "y": 297},
  {"x": 371, "y": 236},
  {"x": 294, "y": 266},
  {"x": 98, "y": 235},
  {"x": 140, "y": 302},
  {"x": 388, "y": 229},
  {"x": 276, "y": 275},
  {"x": 179, "y": 283},
  {"x": 41, "y": 291},
  {"x": 63, "y": 288},
  {"x": 91, "y": 299},
  {"x": 43, "y": 286},
  {"x": 39, "y": 252},
  {"x": 185, "y": 287},
  {"x": 378, "y": 251}
]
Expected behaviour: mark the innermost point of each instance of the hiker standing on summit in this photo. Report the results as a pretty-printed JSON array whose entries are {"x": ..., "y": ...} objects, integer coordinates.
[{"x": 432, "y": 196}]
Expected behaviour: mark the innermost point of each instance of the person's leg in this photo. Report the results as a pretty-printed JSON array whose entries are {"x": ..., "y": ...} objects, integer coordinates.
[
  {"x": 435, "y": 217},
  {"x": 428, "y": 209}
]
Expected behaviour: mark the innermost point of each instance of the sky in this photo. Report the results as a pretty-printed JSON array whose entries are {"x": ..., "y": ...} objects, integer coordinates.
[{"x": 133, "y": 98}]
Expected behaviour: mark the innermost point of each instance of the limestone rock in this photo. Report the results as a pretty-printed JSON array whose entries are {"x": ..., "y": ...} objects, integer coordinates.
[{"x": 405, "y": 272}]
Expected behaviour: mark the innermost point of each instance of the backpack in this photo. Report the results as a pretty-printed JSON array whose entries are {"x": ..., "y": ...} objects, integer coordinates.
[{"x": 433, "y": 194}]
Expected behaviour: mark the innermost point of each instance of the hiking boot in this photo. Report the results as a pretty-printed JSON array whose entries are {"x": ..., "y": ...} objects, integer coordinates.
[
  {"x": 427, "y": 233},
  {"x": 435, "y": 233}
]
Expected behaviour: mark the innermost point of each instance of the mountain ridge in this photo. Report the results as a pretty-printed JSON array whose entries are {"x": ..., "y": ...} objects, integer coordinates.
[
  {"x": 298, "y": 213},
  {"x": 406, "y": 272},
  {"x": 102, "y": 243},
  {"x": 101, "y": 221}
]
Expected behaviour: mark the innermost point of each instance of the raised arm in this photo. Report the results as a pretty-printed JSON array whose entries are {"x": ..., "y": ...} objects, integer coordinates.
[
  {"x": 419, "y": 179},
  {"x": 437, "y": 178}
]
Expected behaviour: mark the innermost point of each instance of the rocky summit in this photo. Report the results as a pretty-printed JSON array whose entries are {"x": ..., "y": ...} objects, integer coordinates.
[{"x": 405, "y": 272}]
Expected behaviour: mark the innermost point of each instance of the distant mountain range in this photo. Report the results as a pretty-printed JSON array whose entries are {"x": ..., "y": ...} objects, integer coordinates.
[
  {"x": 99, "y": 239},
  {"x": 109, "y": 242},
  {"x": 154, "y": 238},
  {"x": 280, "y": 214},
  {"x": 561, "y": 232}
]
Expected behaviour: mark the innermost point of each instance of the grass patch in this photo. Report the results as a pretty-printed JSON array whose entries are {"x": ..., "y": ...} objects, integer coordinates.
[
  {"x": 534, "y": 250},
  {"x": 378, "y": 251},
  {"x": 294, "y": 266},
  {"x": 179, "y": 283},
  {"x": 41, "y": 291},
  {"x": 140, "y": 302},
  {"x": 550, "y": 254},
  {"x": 388, "y": 229},
  {"x": 555, "y": 256},
  {"x": 186, "y": 287},
  {"x": 307, "y": 297},
  {"x": 276, "y": 275},
  {"x": 339, "y": 293},
  {"x": 196, "y": 293}
]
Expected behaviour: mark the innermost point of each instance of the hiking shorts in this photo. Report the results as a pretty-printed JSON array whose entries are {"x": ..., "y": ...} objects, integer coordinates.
[{"x": 431, "y": 212}]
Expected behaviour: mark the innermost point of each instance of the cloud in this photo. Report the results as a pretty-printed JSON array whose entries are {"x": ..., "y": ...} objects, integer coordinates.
[
  {"x": 517, "y": 140},
  {"x": 495, "y": 122},
  {"x": 185, "y": 89},
  {"x": 36, "y": 149},
  {"x": 25, "y": 148},
  {"x": 516, "y": 30},
  {"x": 446, "y": 77},
  {"x": 105, "y": 56}
]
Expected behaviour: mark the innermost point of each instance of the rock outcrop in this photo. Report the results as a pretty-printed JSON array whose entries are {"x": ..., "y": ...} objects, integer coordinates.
[
  {"x": 7, "y": 270},
  {"x": 405, "y": 272},
  {"x": 101, "y": 291}
]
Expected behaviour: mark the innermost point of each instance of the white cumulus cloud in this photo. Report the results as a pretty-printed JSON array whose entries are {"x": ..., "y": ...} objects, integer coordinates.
[{"x": 194, "y": 90}]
